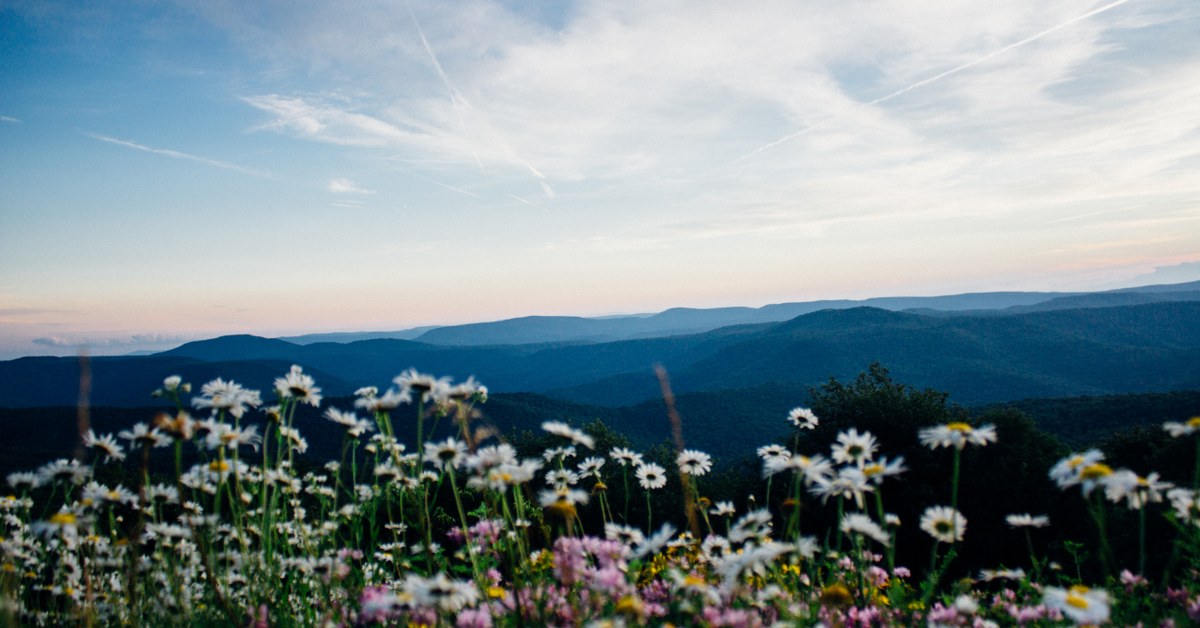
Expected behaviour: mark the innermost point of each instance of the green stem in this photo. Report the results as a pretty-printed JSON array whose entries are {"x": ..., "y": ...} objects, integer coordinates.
[
  {"x": 1033, "y": 561},
  {"x": 1142, "y": 540},
  {"x": 838, "y": 526},
  {"x": 890, "y": 553},
  {"x": 1106, "y": 556},
  {"x": 462, "y": 518}
]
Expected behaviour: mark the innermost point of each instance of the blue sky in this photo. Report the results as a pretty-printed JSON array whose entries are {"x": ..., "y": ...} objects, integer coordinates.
[{"x": 178, "y": 170}]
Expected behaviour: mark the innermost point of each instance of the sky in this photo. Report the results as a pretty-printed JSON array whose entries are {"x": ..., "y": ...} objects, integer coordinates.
[{"x": 176, "y": 170}]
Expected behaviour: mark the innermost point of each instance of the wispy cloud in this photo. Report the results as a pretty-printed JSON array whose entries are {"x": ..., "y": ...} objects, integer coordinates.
[
  {"x": 1015, "y": 138},
  {"x": 10, "y": 120},
  {"x": 133, "y": 341},
  {"x": 346, "y": 186},
  {"x": 939, "y": 76},
  {"x": 174, "y": 154}
]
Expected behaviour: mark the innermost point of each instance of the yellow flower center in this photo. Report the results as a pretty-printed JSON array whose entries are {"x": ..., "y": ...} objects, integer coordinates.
[
  {"x": 872, "y": 469},
  {"x": 495, "y": 592},
  {"x": 836, "y": 594},
  {"x": 564, "y": 509},
  {"x": 63, "y": 519},
  {"x": 1095, "y": 471},
  {"x": 218, "y": 466},
  {"x": 629, "y": 605},
  {"x": 1075, "y": 596},
  {"x": 1194, "y": 421},
  {"x": 959, "y": 426}
]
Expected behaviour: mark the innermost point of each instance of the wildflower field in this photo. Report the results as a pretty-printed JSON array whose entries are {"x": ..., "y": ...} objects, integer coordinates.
[{"x": 214, "y": 515}]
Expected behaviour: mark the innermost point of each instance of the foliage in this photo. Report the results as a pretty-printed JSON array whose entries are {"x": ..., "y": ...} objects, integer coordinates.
[{"x": 883, "y": 504}]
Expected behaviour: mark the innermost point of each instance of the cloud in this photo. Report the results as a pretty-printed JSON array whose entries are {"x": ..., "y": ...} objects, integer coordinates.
[
  {"x": 10, "y": 120},
  {"x": 346, "y": 186},
  {"x": 1178, "y": 273},
  {"x": 942, "y": 75},
  {"x": 133, "y": 341},
  {"x": 179, "y": 155},
  {"x": 53, "y": 341},
  {"x": 1022, "y": 132}
]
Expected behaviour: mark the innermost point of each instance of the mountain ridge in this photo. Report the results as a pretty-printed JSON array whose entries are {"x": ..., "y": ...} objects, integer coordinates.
[{"x": 1138, "y": 348}]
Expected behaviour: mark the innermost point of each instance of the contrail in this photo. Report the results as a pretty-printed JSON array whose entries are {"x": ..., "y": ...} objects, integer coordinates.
[
  {"x": 455, "y": 97},
  {"x": 518, "y": 198},
  {"x": 445, "y": 185},
  {"x": 179, "y": 155},
  {"x": 938, "y": 77},
  {"x": 459, "y": 102}
]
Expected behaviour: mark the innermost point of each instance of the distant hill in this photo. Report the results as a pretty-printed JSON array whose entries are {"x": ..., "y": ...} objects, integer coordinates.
[
  {"x": 1151, "y": 347},
  {"x": 1106, "y": 299},
  {"x": 354, "y": 336},
  {"x": 1070, "y": 352},
  {"x": 683, "y": 321}
]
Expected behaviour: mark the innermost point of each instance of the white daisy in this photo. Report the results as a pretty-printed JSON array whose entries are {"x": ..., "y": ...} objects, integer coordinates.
[
  {"x": 558, "y": 428},
  {"x": 425, "y": 386},
  {"x": 446, "y": 454},
  {"x": 625, "y": 457},
  {"x": 1081, "y": 604},
  {"x": 771, "y": 452},
  {"x": 958, "y": 435},
  {"x": 803, "y": 418},
  {"x": 144, "y": 435},
  {"x": 590, "y": 467},
  {"x": 354, "y": 426},
  {"x": 755, "y": 524},
  {"x": 628, "y": 535},
  {"x": 1136, "y": 490},
  {"x": 492, "y": 456},
  {"x": 558, "y": 453},
  {"x": 105, "y": 445},
  {"x": 560, "y": 478},
  {"x": 298, "y": 386},
  {"x": 988, "y": 575},
  {"x": 944, "y": 524},
  {"x": 848, "y": 483},
  {"x": 876, "y": 471},
  {"x": 723, "y": 509},
  {"x": 1187, "y": 428},
  {"x": 813, "y": 469},
  {"x": 230, "y": 397},
  {"x": 651, "y": 476},
  {"x": 1184, "y": 501},
  {"x": 858, "y": 523},
  {"x": 854, "y": 448},
  {"x": 1027, "y": 521},
  {"x": 561, "y": 496},
  {"x": 694, "y": 463},
  {"x": 368, "y": 399},
  {"x": 1066, "y": 472}
]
